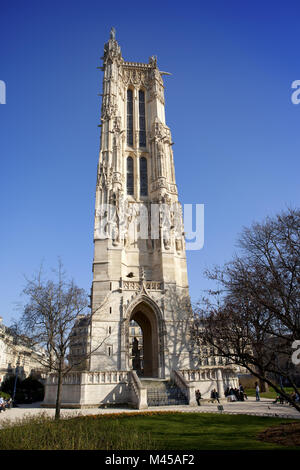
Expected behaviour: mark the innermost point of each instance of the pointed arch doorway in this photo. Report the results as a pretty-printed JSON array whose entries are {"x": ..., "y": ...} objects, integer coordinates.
[{"x": 144, "y": 341}]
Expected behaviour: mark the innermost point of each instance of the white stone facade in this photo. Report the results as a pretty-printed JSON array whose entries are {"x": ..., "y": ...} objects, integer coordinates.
[
  {"x": 157, "y": 289},
  {"x": 15, "y": 353}
]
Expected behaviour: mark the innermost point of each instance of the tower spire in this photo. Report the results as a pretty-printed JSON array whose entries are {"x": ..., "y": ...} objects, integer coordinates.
[{"x": 112, "y": 49}]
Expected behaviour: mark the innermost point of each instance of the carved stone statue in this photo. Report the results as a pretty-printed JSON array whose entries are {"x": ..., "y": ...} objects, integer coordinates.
[
  {"x": 153, "y": 60},
  {"x": 112, "y": 33}
]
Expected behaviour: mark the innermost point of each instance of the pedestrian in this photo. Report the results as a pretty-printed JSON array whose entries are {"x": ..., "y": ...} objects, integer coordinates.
[
  {"x": 257, "y": 391},
  {"x": 241, "y": 392},
  {"x": 214, "y": 396},
  {"x": 2, "y": 404},
  {"x": 198, "y": 397}
]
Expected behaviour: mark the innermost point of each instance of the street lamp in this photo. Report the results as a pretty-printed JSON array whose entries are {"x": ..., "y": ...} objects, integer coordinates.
[{"x": 16, "y": 378}]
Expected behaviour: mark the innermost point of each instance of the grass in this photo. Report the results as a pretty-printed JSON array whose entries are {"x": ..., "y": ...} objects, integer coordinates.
[
  {"x": 209, "y": 431},
  {"x": 149, "y": 430},
  {"x": 270, "y": 394},
  {"x": 84, "y": 433}
]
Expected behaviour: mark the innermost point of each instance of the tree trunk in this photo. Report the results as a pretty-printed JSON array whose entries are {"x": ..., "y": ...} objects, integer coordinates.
[
  {"x": 264, "y": 387},
  {"x": 58, "y": 394}
]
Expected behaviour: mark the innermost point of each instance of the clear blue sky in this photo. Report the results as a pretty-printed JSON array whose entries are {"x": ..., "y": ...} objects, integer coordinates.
[{"x": 228, "y": 104}]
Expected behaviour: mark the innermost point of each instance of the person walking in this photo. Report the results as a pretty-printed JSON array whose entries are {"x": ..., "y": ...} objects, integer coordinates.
[
  {"x": 257, "y": 391},
  {"x": 198, "y": 397},
  {"x": 241, "y": 389}
]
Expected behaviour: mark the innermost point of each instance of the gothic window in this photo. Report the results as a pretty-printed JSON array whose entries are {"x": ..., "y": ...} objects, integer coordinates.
[
  {"x": 143, "y": 177},
  {"x": 142, "y": 122},
  {"x": 130, "y": 118},
  {"x": 130, "y": 176}
]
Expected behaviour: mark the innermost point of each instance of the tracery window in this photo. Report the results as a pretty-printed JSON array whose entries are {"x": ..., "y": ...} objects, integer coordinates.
[
  {"x": 143, "y": 177},
  {"x": 130, "y": 188},
  {"x": 142, "y": 122},
  {"x": 130, "y": 117}
]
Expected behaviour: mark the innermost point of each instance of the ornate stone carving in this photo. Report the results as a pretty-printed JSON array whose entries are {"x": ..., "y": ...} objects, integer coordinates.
[
  {"x": 117, "y": 132},
  {"x": 104, "y": 177},
  {"x": 136, "y": 285},
  {"x": 153, "y": 61},
  {"x": 135, "y": 77},
  {"x": 109, "y": 107},
  {"x": 112, "y": 50}
]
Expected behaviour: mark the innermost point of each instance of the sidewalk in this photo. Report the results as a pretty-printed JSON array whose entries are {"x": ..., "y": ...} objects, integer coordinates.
[{"x": 248, "y": 407}]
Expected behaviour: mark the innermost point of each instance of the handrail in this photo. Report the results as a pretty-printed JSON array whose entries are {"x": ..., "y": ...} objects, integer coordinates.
[
  {"x": 139, "y": 396},
  {"x": 180, "y": 382},
  {"x": 187, "y": 389}
]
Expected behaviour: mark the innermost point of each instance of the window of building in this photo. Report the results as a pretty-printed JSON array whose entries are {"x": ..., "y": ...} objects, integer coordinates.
[
  {"x": 142, "y": 121},
  {"x": 130, "y": 188},
  {"x": 143, "y": 177},
  {"x": 130, "y": 118}
]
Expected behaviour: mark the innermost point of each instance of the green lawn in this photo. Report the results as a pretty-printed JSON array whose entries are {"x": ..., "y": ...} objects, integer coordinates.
[
  {"x": 270, "y": 394},
  {"x": 206, "y": 431},
  {"x": 152, "y": 431}
]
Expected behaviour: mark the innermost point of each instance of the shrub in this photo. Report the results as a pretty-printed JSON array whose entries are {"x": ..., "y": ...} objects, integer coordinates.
[{"x": 27, "y": 391}]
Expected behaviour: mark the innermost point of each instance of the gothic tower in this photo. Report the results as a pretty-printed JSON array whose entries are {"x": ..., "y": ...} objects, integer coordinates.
[
  {"x": 139, "y": 327},
  {"x": 139, "y": 268}
]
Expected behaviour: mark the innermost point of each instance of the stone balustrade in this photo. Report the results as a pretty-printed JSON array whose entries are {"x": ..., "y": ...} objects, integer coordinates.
[
  {"x": 91, "y": 377},
  {"x": 209, "y": 373},
  {"x": 110, "y": 377}
]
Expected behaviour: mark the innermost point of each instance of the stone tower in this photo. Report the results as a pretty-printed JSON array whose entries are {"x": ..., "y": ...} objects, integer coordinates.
[
  {"x": 139, "y": 268},
  {"x": 140, "y": 319}
]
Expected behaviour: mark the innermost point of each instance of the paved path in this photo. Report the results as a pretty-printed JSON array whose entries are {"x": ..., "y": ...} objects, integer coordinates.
[{"x": 249, "y": 407}]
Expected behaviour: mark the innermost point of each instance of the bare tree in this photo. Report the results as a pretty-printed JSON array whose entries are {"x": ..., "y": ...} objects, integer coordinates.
[
  {"x": 47, "y": 321},
  {"x": 257, "y": 317}
]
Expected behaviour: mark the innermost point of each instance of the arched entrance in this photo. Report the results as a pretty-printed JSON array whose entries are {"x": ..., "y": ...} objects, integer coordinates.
[{"x": 144, "y": 347}]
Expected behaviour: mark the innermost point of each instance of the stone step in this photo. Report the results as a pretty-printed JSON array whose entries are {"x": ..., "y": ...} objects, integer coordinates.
[
  {"x": 163, "y": 393},
  {"x": 154, "y": 384}
]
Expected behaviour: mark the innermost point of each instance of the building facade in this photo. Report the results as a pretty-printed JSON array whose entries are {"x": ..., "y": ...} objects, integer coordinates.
[
  {"x": 139, "y": 266},
  {"x": 79, "y": 348},
  {"x": 17, "y": 356}
]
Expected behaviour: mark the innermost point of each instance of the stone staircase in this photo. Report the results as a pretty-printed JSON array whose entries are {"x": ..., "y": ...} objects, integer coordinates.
[{"x": 163, "y": 393}]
